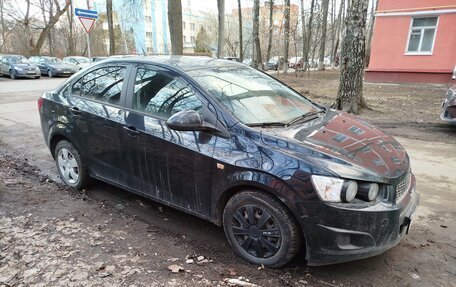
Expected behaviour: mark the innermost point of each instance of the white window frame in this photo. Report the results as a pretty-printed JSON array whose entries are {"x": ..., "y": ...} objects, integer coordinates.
[{"x": 419, "y": 53}]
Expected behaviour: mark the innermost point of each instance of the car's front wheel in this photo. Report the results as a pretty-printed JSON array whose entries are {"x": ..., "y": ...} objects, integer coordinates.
[
  {"x": 260, "y": 229},
  {"x": 50, "y": 73},
  {"x": 12, "y": 74},
  {"x": 70, "y": 166}
]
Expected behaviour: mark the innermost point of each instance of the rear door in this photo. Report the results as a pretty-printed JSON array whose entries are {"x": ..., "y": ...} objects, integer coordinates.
[
  {"x": 174, "y": 166},
  {"x": 96, "y": 106}
]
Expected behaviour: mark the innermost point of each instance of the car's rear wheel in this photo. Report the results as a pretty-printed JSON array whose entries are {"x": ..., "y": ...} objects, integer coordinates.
[
  {"x": 70, "y": 166},
  {"x": 260, "y": 229},
  {"x": 50, "y": 73},
  {"x": 12, "y": 74}
]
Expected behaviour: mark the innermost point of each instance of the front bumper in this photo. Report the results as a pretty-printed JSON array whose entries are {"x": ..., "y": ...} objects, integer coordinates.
[
  {"x": 449, "y": 111},
  {"x": 338, "y": 234},
  {"x": 27, "y": 73},
  {"x": 63, "y": 73}
]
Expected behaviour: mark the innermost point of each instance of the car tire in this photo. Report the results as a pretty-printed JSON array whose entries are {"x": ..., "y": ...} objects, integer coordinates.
[
  {"x": 72, "y": 170},
  {"x": 12, "y": 74},
  {"x": 50, "y": 73},
  {"x": 260, "y": 229},
  {"x": 37, "y": 77}
]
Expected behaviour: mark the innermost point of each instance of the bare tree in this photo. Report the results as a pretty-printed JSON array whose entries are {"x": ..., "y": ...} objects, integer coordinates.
[
  {"x": 309, "y": 35},
  {"x": 340, "y": 21},
  {"x": 112, "y": 40},
  {"x": 370, "y": 30},
  {"x": 286, "y": 35},
  {"x": 221, "y": 27},
  {"x": 53, "y": 19},
  {"x": 303, "y": 30},
  {"x": 321, "y": 55},
  {"x": 256, "y": 48},
  {"x": 175, "y": 26},
  {"x": 71, "y": 43},
  {"x": 350, "y": 95},
  {"x": 271, "y": 27},
  {"x": 241, "y": 52}
]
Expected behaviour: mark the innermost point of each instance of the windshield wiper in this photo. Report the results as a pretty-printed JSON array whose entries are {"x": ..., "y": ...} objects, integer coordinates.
[
  {"x": 267, "y": 124},
  {"x": 306, "y": 117}
]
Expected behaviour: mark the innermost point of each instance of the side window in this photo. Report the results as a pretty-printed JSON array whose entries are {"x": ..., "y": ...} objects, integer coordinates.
[
  {"x": 104, "y": 84},
  {"x": 161, "y": 94}
]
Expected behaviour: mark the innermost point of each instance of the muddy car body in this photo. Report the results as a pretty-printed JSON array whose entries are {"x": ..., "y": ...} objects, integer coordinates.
[
  {"x": 449, "y": 106},
  {"x": 199, "y": 134}
]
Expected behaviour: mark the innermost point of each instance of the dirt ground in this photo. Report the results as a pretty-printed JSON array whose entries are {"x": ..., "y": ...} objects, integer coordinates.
[
  {"x": 407, "y": 110},
  {"x": 54, "y": 236}
]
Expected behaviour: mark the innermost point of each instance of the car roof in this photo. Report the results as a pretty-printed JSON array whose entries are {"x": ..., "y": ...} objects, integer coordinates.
[{"x": 185, "y": 63}]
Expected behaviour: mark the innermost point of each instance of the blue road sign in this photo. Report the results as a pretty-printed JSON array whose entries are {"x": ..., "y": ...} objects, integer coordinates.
[{"x": 91, "y": 14}]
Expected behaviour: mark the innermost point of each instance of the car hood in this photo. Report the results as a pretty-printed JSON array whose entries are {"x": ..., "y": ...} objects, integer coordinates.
[
  {"x": 344, "y": 144},
  {"x": 24, "y": 66}
]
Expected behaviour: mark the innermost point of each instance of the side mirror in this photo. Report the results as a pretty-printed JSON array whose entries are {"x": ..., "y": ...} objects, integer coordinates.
[{"x": 190, "y": 120}]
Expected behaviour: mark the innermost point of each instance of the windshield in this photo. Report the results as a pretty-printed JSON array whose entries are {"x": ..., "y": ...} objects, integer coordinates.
[
  {"x": 251, "y": 96},
  {"x": 18, "y": 60},
  {"x": 82, "y": 60},
  {"x": 54, "y": 60}
]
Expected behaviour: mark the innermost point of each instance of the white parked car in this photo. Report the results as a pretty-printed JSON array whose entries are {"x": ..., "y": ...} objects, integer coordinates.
[{"x": 79, "y": 61}]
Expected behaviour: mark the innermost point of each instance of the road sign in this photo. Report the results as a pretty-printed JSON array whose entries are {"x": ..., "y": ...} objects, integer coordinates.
[
  {"x": 87, "y": 23},
  {"x": 90, "y": 14}
]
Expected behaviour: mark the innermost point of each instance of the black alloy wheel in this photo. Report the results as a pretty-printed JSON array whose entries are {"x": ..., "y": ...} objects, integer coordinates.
[{"x": 261, "y": 229}]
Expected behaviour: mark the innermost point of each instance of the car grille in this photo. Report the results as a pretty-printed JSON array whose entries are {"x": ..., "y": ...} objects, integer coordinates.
[{"x": 402, "y": 187}]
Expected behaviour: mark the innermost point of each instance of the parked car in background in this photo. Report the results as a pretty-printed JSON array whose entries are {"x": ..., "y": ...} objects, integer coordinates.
[
  {"x": 296, "y": 62},
  {"x": 449, "y": 106},
  {"x": 230, "y": 144},
  {"x": 275, "y": 63},
  {"x": 79, "y": 61},
  {"x": 17, "y": 66},
  {"x": 233, "y": 59},
  {"x": 52, "y": 66},
  {"x": 97, "y": 59},
  {"x": 247, "y": 61}
]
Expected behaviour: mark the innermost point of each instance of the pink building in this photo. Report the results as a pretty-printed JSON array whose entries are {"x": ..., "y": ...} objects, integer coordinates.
[{"x": 414, "y": 41}]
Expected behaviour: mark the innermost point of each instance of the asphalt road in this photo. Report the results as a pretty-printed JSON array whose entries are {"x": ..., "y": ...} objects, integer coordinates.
[{"x": 426, "y": 257}]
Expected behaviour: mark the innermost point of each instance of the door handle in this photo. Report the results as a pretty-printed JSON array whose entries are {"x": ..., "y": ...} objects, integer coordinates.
[
  {"x": 75, "y": 111},
  {"x": 131, "y": 130}
]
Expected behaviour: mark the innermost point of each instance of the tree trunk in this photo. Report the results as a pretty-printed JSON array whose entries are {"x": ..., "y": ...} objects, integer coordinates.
[
  {"x": 241, "y": 51},
  {"x": 51, "y": 12},
  {"x": 256, "y": 48},
  {"x": 350, "y": 95},
  {"x": 112, "y": 40},
  {"x": 271, "y": 27},
  {"x": 286, "y": 36},
  {"x": 309, "y": 35},
  {"x": 370, "y": 31},
  {"x": 3, "y": 26},
  {"x": 303, "y": 28},
  {"x": 71, "y": 43},
  {"x": 321, "y": 55},
  {"x": 45, "y": 32},
  {"x": 175, "y": 26},
  {"x": 221, "y": 28},
  {"x": 340, "y": 21}
]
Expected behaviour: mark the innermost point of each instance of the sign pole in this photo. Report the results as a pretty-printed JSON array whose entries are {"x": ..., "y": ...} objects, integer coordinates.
[{"x": 89, "y": 53}]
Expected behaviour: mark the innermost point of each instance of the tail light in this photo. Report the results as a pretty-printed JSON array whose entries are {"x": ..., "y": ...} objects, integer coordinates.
[{"x": 40, "y": 103}]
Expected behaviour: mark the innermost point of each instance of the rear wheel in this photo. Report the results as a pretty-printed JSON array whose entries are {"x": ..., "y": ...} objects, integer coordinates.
[
  {"x": 70, "y": 166},
  {"x": 260, "y": 229}
]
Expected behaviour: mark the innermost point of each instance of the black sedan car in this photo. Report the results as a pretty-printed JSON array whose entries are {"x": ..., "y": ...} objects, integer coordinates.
[
  {"x": 228, "y": 143},
  {"x": 52, "y": 66},
  {"x": 17, "y": 66}
]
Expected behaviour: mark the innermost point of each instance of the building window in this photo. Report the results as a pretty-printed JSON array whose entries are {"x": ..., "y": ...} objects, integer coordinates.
[
  {"x": 183, "y": 24},
  {"x": 149, "y": 35},
  {"x": 192, "y": 26},
  {"x": 185, "y": 39},
  {"x": 148, "y": 19},
  {"x": 422, "y": 35},
  {"x": 192, "y": 39}
]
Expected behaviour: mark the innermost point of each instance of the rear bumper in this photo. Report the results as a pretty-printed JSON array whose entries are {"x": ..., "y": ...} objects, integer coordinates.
[{"x": 343, "y": 235}]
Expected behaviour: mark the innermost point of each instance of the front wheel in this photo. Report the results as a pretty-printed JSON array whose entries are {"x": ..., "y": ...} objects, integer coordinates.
[
  {"x": 12, "y": 74},
  {"x": 260, "y": 229},
  {"x": 70, "y": 166},
  {"x": 50, "y": 73}
]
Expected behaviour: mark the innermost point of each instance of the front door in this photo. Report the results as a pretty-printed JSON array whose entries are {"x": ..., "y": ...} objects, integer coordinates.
[{"x": 174, "y": 166}]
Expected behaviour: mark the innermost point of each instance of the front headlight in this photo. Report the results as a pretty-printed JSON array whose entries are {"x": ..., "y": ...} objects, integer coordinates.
[{"x": 334, "y": 189}]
